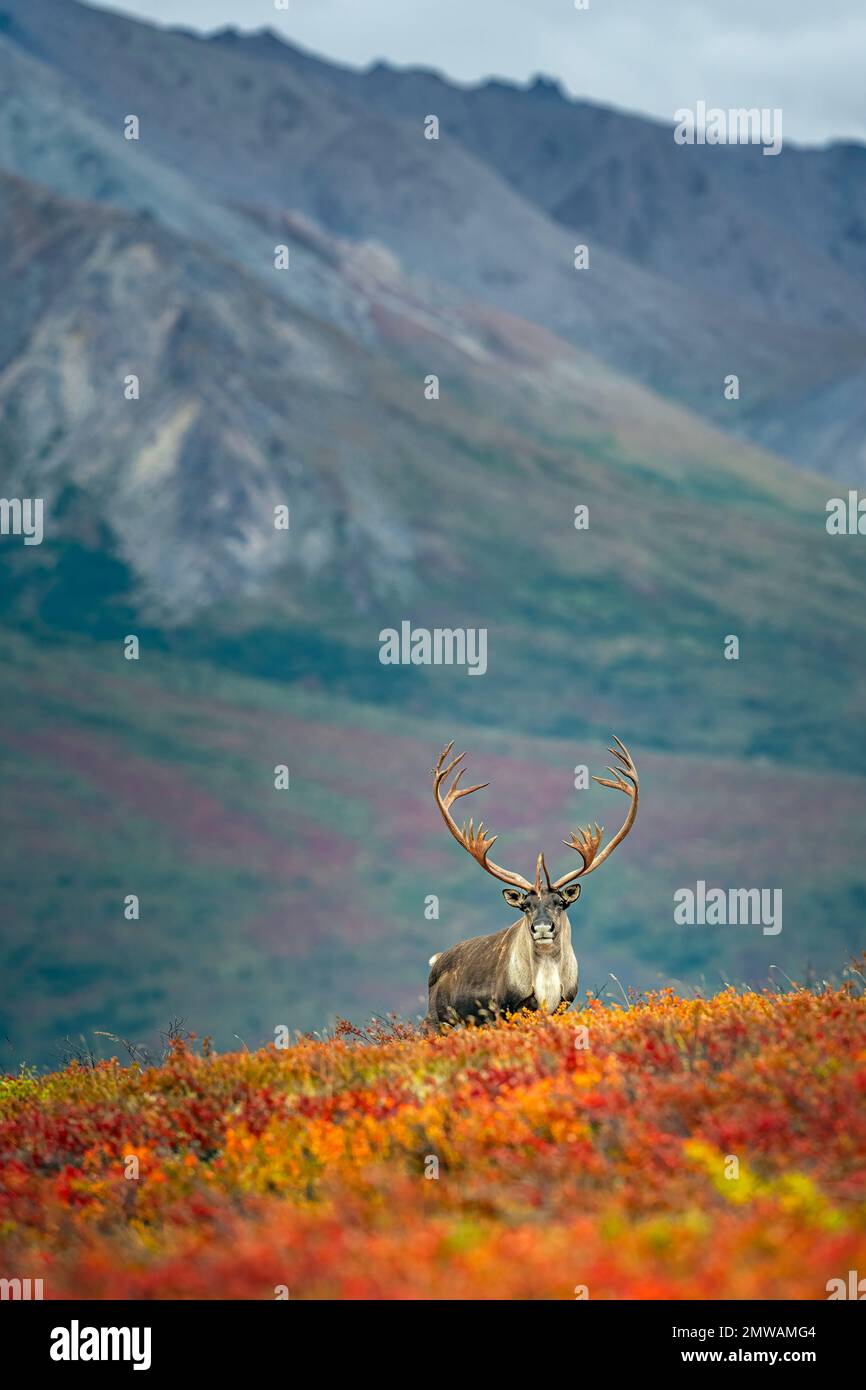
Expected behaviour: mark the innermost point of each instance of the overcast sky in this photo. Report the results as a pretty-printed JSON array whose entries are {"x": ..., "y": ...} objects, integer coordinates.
[{"x": 652, "y": 56}]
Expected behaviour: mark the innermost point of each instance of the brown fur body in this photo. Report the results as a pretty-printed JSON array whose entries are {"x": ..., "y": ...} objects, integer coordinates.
[
  {"x": 531, "y": 964},
  {"x": 491, "y": 975}
]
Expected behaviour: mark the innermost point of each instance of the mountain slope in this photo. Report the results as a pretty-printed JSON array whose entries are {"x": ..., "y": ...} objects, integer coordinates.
[
  {"x": 260, "y": 907},
  {"x": 253, "y": 122},
  {"x": 399, "y": 505},
  {"x": 243, "y": 407},
  {"x": 756, "y": 242},
  {"x": 799, "y": 255}
]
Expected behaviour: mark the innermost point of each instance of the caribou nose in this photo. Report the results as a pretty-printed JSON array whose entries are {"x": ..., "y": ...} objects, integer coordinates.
[{"x": 543, "y": 931}]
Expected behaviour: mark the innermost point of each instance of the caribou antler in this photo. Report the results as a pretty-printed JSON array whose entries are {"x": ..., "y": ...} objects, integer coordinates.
[
  {"x": 476, "y": 840},
  {"x": 587, "y": 841}
]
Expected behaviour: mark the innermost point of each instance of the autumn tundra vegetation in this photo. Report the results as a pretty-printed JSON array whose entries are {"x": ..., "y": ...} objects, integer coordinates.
[{"x": 662, "y": 1148}]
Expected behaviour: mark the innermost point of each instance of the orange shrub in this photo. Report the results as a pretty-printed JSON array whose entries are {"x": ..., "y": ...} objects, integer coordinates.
[{"x": 674, "y": 1149}]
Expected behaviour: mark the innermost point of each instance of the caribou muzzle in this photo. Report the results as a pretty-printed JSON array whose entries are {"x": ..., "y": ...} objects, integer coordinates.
[{"x": 543, "y": 933}]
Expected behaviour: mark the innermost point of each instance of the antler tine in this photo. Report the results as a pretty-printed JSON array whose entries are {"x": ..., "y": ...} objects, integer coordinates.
[
  {"x": 455, "y": 795},
  {"x": 585, "y": 846},
  {"x": 455, "y": 791},
  {"x": 541, "y": 867},
  {"x": 476, "y": 841},
  {"x": 625, "y": 779},
  {"x": 620, "y": 773},
  {"x": 443, "y": 755},
  {"x": 618, "y": 783},
  {"x": 442, "y": 772}
]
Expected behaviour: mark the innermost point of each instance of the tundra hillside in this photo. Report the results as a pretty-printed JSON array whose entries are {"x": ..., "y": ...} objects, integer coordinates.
[{"x": 669, "y": 1149}]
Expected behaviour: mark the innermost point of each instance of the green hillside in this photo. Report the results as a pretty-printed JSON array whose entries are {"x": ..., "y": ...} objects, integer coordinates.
[{"x": 260, "y": 907}]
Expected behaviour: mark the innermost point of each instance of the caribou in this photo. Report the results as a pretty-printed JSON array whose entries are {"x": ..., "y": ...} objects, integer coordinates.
[{"x": 531, "y": 964}]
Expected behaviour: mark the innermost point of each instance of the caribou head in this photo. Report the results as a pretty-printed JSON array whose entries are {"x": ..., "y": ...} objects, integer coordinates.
[
  {"x": 530, "y": 964},
  {"x": 543, "y": 906}
]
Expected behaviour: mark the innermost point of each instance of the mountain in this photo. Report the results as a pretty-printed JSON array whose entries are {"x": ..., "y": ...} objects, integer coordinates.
[
  {"x": 679, "y": 211},
  {"x": 704, "y": 260},
  {"x": 396, "y": 501},
  {"x": 752, "y": 243},
  {"x": 309, "y": 388}
]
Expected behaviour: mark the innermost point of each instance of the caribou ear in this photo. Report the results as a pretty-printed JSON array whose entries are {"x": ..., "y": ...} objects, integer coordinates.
[
  {"x": 570, "y": 894},
  {"x": 515, "y": 897}
]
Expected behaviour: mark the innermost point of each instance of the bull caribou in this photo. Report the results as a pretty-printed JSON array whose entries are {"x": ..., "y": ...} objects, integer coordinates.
[{"x": 531, "y": 964}]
